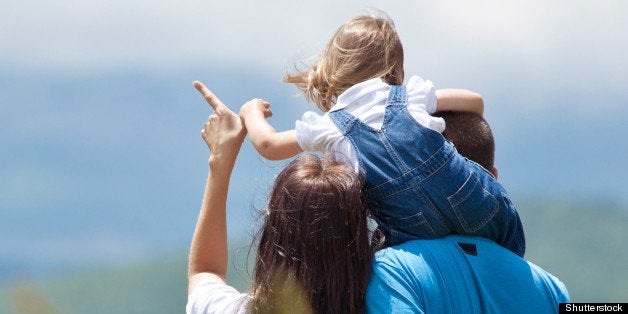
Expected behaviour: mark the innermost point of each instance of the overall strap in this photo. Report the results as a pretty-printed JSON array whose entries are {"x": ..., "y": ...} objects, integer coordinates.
[
  {"x": 343, "y": 120},
  {"x": 397, "y": 95},
  {"x": 397, "y": 100}
]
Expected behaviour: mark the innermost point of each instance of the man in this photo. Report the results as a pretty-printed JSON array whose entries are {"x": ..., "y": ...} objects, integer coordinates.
[{"x": 461, "y": 274}]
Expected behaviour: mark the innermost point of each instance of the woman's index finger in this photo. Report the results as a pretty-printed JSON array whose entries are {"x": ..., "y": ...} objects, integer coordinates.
[{"x": 211, "y": 99}]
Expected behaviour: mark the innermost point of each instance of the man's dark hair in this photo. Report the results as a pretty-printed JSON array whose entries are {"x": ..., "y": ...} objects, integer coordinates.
[{"x": 471, "y": 135}]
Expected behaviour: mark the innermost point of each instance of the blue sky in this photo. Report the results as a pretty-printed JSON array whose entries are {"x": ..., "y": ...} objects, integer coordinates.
[
  {"x": 455, "y": 36},
  {"x": 99, "y": 117},
  {"x": 573, "y": 48}
]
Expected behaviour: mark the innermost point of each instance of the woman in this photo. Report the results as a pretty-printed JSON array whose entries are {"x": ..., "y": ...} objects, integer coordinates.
[{"x": 314, "y": 253}]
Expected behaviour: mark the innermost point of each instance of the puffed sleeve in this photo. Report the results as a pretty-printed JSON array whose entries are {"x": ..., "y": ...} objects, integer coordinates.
[
  {"x": 422, "y": 103},
  {"x": 316, "y": 132},
  {"x": 422, "y": 92}
]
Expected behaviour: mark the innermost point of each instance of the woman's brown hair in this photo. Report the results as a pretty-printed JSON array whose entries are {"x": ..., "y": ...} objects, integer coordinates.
[
  {"x": 363, "y": 48},
  {"x": 314, "y": 250}
]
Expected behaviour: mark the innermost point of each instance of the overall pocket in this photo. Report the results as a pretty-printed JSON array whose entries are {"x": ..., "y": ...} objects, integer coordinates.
[
  {"x": 410, "y": 228},
  {"x": 473, "y": 205}
]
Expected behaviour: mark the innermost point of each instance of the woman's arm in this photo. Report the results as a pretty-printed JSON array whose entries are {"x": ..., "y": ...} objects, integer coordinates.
[
  {"x": 224, "y": 134},
  {"x": 459, "y": 100},
  {"x": 269, "y": 143}
]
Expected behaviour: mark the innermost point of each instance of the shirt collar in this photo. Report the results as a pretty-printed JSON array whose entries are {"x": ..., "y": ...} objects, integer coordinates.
[{"x": 366, "y": 89}]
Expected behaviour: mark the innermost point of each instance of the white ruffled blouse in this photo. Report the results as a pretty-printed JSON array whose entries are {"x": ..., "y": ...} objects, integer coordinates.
[{"x": 367, "y": 102}]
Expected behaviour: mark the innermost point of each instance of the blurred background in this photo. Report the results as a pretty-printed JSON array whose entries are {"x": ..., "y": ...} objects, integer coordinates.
[{"x": 102, "y": 168}]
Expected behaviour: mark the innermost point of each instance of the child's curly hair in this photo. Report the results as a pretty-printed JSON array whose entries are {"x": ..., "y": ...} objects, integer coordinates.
[{"x": 363, "y": 48}]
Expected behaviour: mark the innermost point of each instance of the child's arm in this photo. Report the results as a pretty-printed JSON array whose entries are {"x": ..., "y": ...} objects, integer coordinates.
[
  {"x": 269, "y": 143},
  {"x": 459, "y": 100}
]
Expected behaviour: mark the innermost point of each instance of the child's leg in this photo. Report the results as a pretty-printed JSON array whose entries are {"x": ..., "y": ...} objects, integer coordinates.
[
  {"x": 408, "y": 216},
  {"x": 474, "y": 203}
]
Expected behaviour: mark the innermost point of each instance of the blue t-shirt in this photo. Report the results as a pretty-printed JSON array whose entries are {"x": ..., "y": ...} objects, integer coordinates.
[{"x": 459, "y": 274}]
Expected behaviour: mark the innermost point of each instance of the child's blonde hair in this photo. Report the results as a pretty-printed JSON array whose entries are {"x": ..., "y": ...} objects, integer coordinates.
[{"x": 363, "y": 48}]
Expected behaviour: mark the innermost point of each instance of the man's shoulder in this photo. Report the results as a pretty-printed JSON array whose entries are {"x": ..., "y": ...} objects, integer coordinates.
[
  {"x": 456, "y": 243},
  {"x": 475, "y": 271},
  {"x": 551, "y": 284},
  {"x": 422, "y": 254},
  {"x": 444, "y": 255}
]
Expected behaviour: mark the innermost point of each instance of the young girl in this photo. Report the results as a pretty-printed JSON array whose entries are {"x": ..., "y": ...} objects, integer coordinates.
[{"x": 417, "y": 185}]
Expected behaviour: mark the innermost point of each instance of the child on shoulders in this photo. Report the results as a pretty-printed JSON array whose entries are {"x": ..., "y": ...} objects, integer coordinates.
[{"x": 416, "y": 184}]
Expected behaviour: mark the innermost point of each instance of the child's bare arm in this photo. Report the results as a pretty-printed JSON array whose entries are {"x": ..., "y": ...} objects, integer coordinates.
[
  {"x": 269, "y": 143},
  {"x": 459, "y": 100}
]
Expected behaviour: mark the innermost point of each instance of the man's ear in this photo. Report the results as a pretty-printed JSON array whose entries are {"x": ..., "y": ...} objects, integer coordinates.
[{"x": 494, "y": 172}]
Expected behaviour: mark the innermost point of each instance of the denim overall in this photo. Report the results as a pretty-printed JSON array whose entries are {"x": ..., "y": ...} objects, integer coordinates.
[{"x": 417, "y": 185}]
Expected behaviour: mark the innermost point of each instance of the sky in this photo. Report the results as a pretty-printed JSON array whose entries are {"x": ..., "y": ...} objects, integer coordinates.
[
  {"x": 569, "y": 49},
  {"x": 553, "y": 75},
  {"x": 571, "y": 43},
  {"x": 96, "y": 35}
]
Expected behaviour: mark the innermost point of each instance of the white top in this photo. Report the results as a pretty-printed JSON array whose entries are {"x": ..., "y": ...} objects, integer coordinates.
[
  {"x": 211, "y": 296},
  {"x": 367, "y": 102}
]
